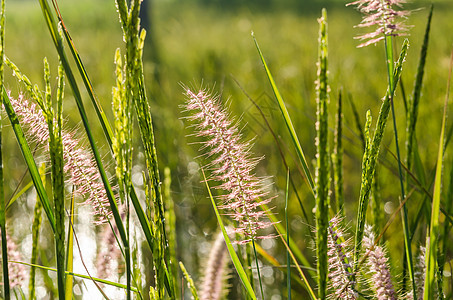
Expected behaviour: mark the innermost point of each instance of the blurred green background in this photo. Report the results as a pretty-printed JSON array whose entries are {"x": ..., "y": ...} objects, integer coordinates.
[{"x": 208, "y": 44}]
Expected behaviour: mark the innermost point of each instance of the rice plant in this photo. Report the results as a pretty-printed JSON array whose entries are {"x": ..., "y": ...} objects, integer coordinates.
[{"x": 262, "y": 195}]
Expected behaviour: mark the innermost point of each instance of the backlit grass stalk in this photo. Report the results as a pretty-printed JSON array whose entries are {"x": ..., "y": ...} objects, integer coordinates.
[
  {"x": 6, "y": 287},
  {"x": 337, "y": 158},
  {"x": 371, "y": 155},
  {"x": 322, "y": 177},
  {"x": 54, "y": 125},
  {"x": 36, "y": 227},
  {"x": 52, "y": 24},
  {"x": 58, "y": 42},
  {"x": 288, "y": 258},
  {"x": 190, "y": 282},
  {"x": 135, "y": 90}
]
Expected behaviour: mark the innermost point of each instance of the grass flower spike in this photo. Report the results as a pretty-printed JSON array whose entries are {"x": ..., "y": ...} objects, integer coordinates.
[
  {"x": 377, "y": 262},
  {"x": 79, "y": 165},
  {"x": 381, "y": 14},
  {"x": 232, "y": 164},
  {"x": 340, "y": 269},
  {"x": 215, "y": 269},
  {"x": 17, "y": 272}
]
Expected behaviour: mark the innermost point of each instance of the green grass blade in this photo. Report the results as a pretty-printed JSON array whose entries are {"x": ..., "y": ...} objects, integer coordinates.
[
  {"x": 34, "y": 173},
  {"x": 36, "y": 227},
  {"x": 70, "y": 253},
  {"x": 287, "y": 120},
  {"x": 189, "y": 280},
  {"x": 52, "y": 26},
  {"x": 288, "y": 259},
  {"x": 236, "y": 262},
  {"x": 18, "y": 194},
  {"x": 78, "y": 275},
  {"x": 432, "y": 237},
  {"x": 3, "y": 208},
  {"x": 412, "y": 113},
  {"x": 144, "y": 222}
]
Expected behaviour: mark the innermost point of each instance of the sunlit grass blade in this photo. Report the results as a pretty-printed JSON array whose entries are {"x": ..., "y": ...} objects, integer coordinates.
[
  {"x": 52, "y": 25},
  {"x": 78, "y": 275},
  {"x": 236, "y": 262},
  {"x": 144, "y": 222},
  {"x": 433, "y": 235},
  {"x": 288, "y": 259},
  {"x": 54, "y": 124},
  {"x": 189, "y": 280},
  {"x": 287, "y": 120},
  {"x": 18, "y": 194},
  {"x": 70, "y": 253},
  {"x": 6, "y": 286},
  {"x": 28, "y": 156},
  {"x": 36, "y": 227},
  {"x": 371, "y": 155}
]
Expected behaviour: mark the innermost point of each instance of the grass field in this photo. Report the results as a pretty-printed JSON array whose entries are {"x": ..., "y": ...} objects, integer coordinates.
[{"x": 210, "y": 46}]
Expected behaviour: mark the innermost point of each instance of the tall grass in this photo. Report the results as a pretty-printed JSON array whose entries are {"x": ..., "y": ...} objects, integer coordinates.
[{"x": 145, "y": 225}]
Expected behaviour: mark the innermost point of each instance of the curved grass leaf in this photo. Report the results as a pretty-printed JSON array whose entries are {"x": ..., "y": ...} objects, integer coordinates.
[
  {"x": 287, "y": 119},
  {"x": 107, "y": 282},
  {"x": 236, "y": 262}
]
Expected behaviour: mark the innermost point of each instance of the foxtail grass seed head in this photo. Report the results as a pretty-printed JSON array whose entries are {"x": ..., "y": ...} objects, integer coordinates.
[
  {"x": 108, "y": 254},
  {"x": 382, "y": 15},
  {"x": 377, "y": 262},
  {"x": 79, "y": 166},
  {"x": 17, "y": 272},
  {"x": 232, "y": 163},
  {"x": 339, "y": 258},
  {"x": 214, "y": 272}
]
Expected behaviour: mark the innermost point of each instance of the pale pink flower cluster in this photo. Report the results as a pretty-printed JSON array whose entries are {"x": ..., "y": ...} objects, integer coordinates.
[
  {"x": 232, "y": 163},
  {"x": 380, "y": 13},
  {"x": 214, "y": 272},
  {"x": 108, "y": 254},
  {"x": 340, "y": 268},
  {"x": 17, "y": 272},
  {"x": 377, "y": 262},
  {"x": 79, "y": 165}
]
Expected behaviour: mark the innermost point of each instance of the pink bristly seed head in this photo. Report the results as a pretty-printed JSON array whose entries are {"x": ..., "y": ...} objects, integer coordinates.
[{"x": 231, "y": 163}]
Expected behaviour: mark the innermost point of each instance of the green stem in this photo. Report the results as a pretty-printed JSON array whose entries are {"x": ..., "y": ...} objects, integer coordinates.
[
  {"x": 258, "y": 269},
  {"x": 288, "y": 259}
]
